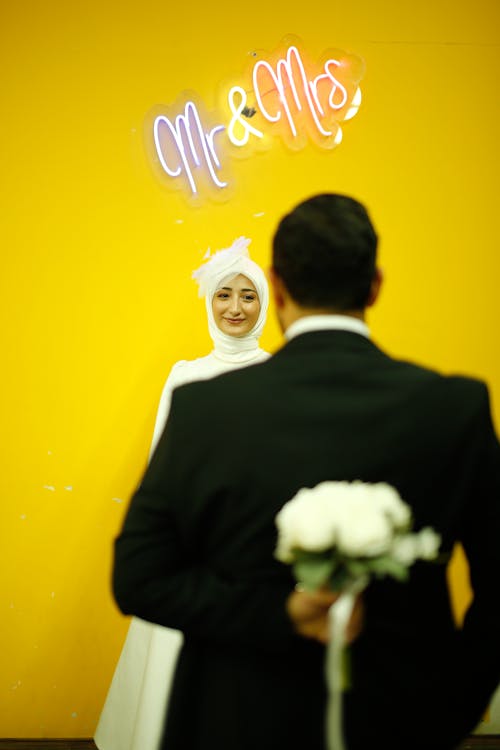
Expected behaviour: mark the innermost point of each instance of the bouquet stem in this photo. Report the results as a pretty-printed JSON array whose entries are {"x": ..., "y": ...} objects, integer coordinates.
[{"x": 339, "y": 616}]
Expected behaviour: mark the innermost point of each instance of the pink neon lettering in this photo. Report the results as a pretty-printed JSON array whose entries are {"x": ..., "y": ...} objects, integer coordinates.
[
  {"x": 284, "y": 78},
  {"x": 188, "y": 137},
  {"x": 337, "y": 86}
]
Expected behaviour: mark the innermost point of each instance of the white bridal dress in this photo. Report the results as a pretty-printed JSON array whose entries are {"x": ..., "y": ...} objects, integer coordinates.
[{"x": 135, "y": 707}]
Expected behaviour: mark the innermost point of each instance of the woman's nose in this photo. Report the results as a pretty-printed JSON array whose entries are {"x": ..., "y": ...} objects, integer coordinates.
[{"x": 235, "y": 306}]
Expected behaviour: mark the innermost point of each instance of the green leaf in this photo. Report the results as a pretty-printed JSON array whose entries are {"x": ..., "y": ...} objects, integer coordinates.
[
  {"x": 356, "y": 567},
  {"x": 382, "y": 566},
  {"x": 313, "y": 571},
  {"x": 339, "y": 578}
]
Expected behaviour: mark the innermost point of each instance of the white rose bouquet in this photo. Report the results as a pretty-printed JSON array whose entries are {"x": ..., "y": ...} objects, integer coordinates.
[
  {"x": 337, "y": 532},
  {"x": 340, "y": 534}
]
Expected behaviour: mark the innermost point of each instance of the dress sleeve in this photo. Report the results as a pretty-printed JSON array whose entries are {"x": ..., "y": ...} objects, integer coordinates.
[{"x": 174, "y": 379}]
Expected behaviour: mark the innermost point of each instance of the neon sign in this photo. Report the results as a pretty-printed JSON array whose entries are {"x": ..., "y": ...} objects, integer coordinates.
[
  {"x": 282, "y": 95},
  {"x": 183, "y": 146}
]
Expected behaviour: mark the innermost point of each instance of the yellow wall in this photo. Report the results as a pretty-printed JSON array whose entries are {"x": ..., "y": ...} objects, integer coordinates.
[{"x": 97, "y": 301}]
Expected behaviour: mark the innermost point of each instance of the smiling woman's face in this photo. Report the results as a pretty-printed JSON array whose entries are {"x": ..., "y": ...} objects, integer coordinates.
[{"x": 236, "y": 306}]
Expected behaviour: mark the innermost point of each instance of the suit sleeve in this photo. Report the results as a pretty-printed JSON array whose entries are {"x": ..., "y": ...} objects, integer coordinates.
[
  {"x": 479, "y": 670},
  {"x": 159, "y": 574}
]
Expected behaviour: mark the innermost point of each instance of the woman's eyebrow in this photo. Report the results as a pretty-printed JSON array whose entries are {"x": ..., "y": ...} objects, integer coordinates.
[{"x": 230, "y": 289}]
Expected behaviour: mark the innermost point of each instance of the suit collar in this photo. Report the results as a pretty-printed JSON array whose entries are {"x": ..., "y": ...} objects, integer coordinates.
[
  {"x": 312, "y": 323},
  {"x": 313, "y": 342}
]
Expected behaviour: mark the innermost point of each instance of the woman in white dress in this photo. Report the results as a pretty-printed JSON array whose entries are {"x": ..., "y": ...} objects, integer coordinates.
[{"x": 236, "y": 296}]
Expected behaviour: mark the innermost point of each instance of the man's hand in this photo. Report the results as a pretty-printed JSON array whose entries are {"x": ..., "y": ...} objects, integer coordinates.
[{"x": 308, "y": 612}]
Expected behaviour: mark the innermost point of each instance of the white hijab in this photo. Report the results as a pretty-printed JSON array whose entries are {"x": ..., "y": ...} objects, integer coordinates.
[{"x": 221, "y": 267}]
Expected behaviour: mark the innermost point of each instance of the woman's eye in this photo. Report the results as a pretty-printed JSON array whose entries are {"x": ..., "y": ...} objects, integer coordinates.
[{"x": 249, "y": 298}]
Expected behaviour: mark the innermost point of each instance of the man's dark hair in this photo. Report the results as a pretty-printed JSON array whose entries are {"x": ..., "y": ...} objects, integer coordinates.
[{"x": 325, "y": 251}]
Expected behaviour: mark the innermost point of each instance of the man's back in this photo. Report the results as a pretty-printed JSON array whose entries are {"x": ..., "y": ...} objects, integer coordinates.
[{"x": 331, "y": 405}]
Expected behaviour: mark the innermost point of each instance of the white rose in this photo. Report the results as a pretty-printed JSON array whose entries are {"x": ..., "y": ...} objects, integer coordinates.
[
  {"x": 428, "y": 543},
  {"x": 357, "y": 517},
  {"x": 284, "y": 548},
  {"x": 388, "y": 500},
  {"x": 421, "y": 546},
  {"x": 405, "y": 549},
  {"x": 302, "y": 524},
  {"x": 362, "y": 530}
]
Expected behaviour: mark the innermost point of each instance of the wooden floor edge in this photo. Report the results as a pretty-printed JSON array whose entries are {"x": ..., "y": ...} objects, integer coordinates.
[
  {"x": 475, "y": 742},
  {"x": 47, "y": 744}
]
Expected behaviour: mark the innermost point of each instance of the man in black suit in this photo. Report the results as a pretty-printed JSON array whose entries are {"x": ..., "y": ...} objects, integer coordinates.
[{"x": 196, "y": 549}]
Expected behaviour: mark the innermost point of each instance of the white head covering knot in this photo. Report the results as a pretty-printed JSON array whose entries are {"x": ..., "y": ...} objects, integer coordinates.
[{"x": 223, "y": 266}]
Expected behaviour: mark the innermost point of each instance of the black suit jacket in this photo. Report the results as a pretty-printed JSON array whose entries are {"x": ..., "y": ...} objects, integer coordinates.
[{"x": 196, "y": 549}]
